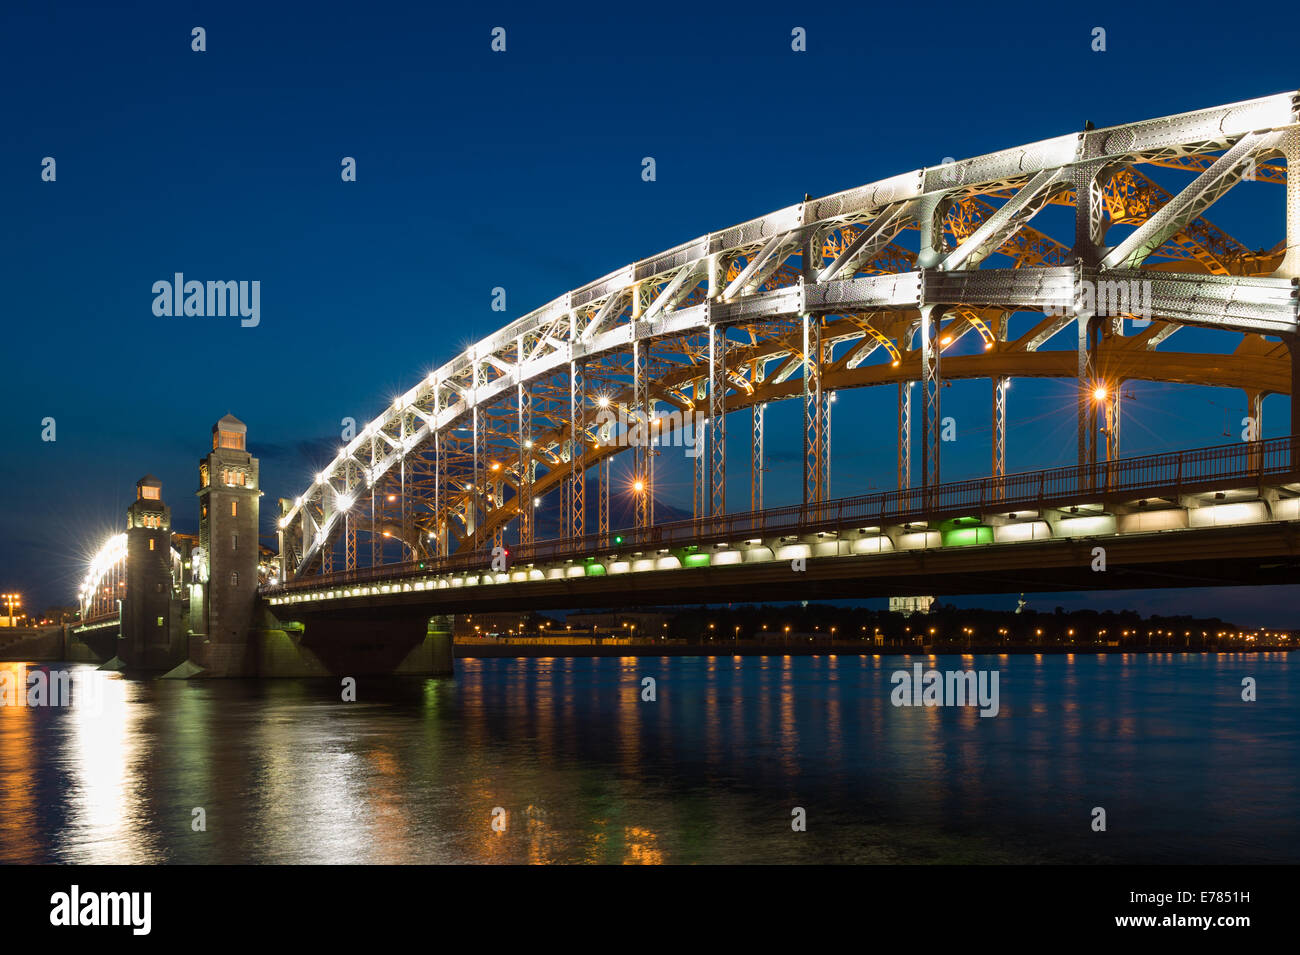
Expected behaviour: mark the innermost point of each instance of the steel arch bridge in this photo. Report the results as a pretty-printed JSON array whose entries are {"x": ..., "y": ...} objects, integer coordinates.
[{"x": 873, "y": 286}]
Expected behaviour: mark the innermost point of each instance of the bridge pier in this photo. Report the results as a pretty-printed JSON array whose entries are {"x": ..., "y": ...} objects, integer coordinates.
[{"x": 367, "y": 642}]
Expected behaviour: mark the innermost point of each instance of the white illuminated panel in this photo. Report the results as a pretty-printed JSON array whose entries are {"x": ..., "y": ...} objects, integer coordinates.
[{"x": 1219, "y": 515}]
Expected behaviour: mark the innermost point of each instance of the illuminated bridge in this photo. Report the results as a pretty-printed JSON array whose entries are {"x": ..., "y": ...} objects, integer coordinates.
[
  {"x": 945, "y": 273},
  {"x": 930, "y": 275}
]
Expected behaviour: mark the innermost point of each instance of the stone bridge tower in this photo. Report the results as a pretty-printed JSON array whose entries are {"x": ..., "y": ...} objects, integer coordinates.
[
  {"x": 223, "y": 613},
  {"x": 152, "y": 628}
]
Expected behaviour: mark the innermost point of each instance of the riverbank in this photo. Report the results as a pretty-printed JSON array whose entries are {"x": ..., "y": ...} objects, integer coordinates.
[{"x": 500, "y": 650}]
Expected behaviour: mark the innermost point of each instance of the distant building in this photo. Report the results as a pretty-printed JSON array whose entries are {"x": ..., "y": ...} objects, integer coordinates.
[
  {"x": 910, "y": 605},
  {"x": 620, "y": 623}
]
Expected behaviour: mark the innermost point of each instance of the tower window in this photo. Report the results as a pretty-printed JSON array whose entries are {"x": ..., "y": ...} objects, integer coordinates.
[
  {"x": 151, "y": 543},
  {"x": 160, "y": 623},
  {"x": 234, "y": 542},
  {"x": 234, "y": 508},
  {"x": 234, "y": 579},
  {"x": 228, "y": 439}
]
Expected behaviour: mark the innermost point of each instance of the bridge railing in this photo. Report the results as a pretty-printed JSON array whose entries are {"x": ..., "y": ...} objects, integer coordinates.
[{"x": 1154, "y": 475}]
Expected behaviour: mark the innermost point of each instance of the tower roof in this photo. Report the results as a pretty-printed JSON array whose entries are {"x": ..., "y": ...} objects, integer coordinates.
[
  {"x": 148, "y": 481},
  {"x": 230, "y": 423}
]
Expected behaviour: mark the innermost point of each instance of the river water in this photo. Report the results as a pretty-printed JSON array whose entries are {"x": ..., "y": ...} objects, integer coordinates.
[{"x": 572, "y": 765}]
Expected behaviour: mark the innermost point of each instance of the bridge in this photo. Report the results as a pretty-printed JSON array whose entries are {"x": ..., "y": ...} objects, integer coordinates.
[
  {"x": 491, "y": 479},
  {"x": 1213, "y": 516}
]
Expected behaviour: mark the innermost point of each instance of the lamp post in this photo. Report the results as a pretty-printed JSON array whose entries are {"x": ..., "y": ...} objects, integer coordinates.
[{"x": 10, "y": 600}]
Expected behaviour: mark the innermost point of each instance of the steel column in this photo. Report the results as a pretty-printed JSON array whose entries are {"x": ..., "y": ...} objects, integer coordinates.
[
  {"x": 717, "y": 421},
  {"x": 577, "y": 449},
  {"x": 602, "y": 504},
  {"x": 524, "y": 409},
  {"x": 638, "y": 420},
  {"x": 905, "y": 434},
  {"x": 999, "y": 464},
  {"x": 814, "y": 422},
  {"x": 931, "y": 346}
]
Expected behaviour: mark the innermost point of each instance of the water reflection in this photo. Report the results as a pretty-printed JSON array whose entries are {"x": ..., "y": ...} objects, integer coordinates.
[{"x": 582, "y": 769}]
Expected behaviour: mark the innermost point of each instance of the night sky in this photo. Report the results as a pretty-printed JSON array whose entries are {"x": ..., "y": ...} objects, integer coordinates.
[{"x": 521, "y": 170}]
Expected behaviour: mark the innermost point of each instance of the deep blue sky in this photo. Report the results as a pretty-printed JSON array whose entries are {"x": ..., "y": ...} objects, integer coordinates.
[{"x": 476, "y": 170}]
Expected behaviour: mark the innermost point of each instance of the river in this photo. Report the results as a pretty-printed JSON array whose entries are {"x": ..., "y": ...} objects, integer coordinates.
[{"x": 562, "y": 760}]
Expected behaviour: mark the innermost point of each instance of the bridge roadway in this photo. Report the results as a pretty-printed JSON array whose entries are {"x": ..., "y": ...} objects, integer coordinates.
[{"x": 1226, "y": 515}]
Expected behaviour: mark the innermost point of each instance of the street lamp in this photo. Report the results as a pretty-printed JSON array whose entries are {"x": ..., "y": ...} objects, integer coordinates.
[{"x": 10, "y": 600}]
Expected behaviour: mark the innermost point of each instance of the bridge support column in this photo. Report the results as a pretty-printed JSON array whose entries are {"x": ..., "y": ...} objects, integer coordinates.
[
  {"x": 757, "y": 414},
  {"x": 1085, "y": 408},
  {"x": 602, "y": 506},
  {"x": 577, "y": 449},
  {"x": 1090, "y": 181},
  {"x": 1255, "y": 404},
  {"x": 814, "y": 423},
  {"x": 472, "y": 506},
  {"x": 1114, "y": 418},
  {"x": 639, "y": 419},
  {"x": 717, "y": 421},
  {"x": 998, "y": 467},
  {"x": 376, "y": 521},
  {"x": 931, "y": 422},
  {"x": 524, "y": 408},
  {"x": 905, "y": 434},
  {"x": 1001, "y": 384}
]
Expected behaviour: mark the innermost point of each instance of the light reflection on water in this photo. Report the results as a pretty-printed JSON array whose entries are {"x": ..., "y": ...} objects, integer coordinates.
[{"x": 587, "y": 772}]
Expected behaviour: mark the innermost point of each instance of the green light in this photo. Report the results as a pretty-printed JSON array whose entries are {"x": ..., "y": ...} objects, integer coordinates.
[
  {"x": 618, "y": 539},
  {"x": 966, "y": 536},
  {"x": 696, "y": 560}
]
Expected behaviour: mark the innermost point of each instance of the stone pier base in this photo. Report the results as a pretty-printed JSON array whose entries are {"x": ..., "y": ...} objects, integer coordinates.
[{"x": 320, "y": 646}]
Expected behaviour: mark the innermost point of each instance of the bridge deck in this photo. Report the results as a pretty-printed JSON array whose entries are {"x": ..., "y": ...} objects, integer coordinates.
[{"x": 1089, "y": 489}]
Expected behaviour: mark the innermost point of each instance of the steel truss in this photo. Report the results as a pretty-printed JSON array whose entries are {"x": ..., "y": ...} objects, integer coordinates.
[{"x": 872, "y": 286}]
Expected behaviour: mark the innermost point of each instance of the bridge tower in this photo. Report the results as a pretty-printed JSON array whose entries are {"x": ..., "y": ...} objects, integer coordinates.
[
  {"x": 222, "y": 609},
  {"x": 151, "y": 624}
]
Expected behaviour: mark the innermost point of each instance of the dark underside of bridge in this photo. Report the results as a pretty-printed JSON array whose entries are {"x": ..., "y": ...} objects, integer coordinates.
[{"x": 1228, "y": 556}]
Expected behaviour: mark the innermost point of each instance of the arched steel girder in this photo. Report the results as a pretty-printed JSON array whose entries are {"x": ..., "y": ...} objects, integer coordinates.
[
  {"x": 106, "y": 574},
  {"x": 837, "y": 254},
  {"x": 1265, "y": 370}
]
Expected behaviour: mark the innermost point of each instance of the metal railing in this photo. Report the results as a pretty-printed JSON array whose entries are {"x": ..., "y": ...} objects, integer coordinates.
[{"x": 1154, "y": 475}]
